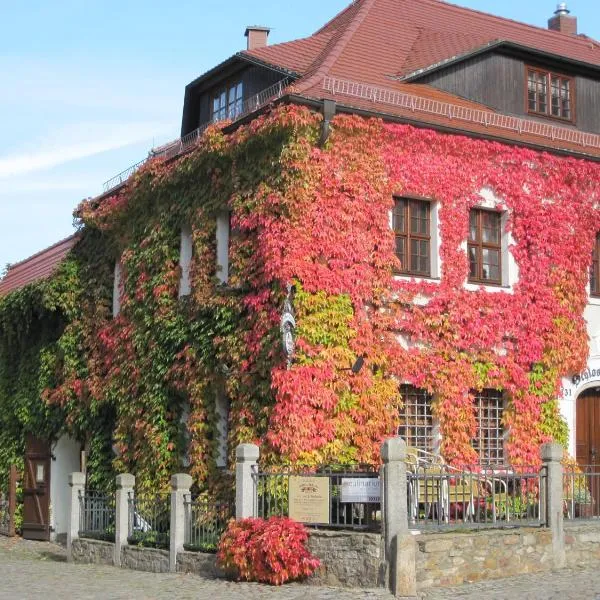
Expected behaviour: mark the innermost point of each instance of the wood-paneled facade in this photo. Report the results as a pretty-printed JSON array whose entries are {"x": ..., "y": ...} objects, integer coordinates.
[{"x": 499, "y": 81}]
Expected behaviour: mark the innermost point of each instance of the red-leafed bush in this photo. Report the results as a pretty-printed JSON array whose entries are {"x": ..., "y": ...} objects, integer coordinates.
[{"x": 269, "y": 551}]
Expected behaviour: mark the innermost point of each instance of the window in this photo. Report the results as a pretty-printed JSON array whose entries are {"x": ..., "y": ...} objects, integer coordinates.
[
  {"x": 549, "y": 94},
  {"x": 485, "y": 246},
  {"x": 489, "y": 443},
  {"x": 185, "y": 261},
  {"x": 222, "y": 415},
  {"x": 223, "y": 235},
  {"x": 227, "y": 102},
  {"x": 416, "y": 420},
  {"x": 595, "y": 270},
  {"x": 411, "y": 221},
  {"x": 117, "y": 289}
]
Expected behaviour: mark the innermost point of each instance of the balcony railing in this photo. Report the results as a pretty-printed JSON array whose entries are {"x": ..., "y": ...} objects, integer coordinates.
[{"x": 181, "y": 145}]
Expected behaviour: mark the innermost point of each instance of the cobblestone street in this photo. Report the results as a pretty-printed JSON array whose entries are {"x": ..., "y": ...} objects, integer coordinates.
[{"x": 39, "y": 570}]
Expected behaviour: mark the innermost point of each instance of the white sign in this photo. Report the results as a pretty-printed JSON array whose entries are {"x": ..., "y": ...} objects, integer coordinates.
[{"x": 360, "y": 489}]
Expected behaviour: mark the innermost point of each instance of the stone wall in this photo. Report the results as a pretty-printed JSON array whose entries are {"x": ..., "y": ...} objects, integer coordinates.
[
  {"x": 145, "y": 559},
  {"x": 452, "y": 558},
  {"x": 93, "y": 552},
  {"x": 198, "y": 563},
  {"x": 348, "y": 559},
  {"x": 582, "y": 544}
]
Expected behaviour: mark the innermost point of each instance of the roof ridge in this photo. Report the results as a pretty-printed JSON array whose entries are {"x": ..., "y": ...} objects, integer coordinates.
[
  {"x": 334, "y": 18},
  {"x": 334, "y": 53},
  {"x": 12, "y": 266},
  {"x": 511, "y": 21}
]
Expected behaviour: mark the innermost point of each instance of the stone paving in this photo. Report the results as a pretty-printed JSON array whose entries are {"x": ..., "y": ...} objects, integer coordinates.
[{"x": 32, "y": 570}]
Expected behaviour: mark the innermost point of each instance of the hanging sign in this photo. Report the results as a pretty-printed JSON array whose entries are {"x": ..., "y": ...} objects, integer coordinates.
[
  {"x": 360, "y": 489},
  {"x": 309, "y": 499}
]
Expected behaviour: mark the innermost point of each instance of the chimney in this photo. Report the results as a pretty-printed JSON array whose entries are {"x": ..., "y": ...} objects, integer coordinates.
[
  {"x": 562, "y": 21},
  {"x": 257, "y": 36}
]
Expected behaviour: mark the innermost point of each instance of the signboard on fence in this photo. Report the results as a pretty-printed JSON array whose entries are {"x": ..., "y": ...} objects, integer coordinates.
[
  {"x": 360, "y": 489},
  {"x": 309, "y": 499}
]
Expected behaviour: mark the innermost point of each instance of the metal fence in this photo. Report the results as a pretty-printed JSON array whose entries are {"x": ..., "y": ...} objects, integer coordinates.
[
  {"x": 205, "y": 522},
  {"x": 149, "y": 520},
  {"x": 272, "y": 495},
  {"x": 440, "y": 496},
  {"x": 97, "y": 515},
  {"x": 581, "y": 492},
  {"x": 4, "y": 514}
]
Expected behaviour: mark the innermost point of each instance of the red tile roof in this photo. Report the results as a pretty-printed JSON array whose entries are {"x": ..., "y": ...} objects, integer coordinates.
[
  {"x": 39, "y": 266},
  {"x": 378, "y": 42}
]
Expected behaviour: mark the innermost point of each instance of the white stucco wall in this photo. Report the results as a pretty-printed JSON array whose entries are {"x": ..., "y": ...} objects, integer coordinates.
[
  {"x": 575, "y": 383},
  {"x": 66, "y": 453}
]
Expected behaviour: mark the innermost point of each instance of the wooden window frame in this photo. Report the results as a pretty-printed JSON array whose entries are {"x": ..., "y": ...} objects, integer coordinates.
[
  {"x": 416, "y": 418},
  {"x": 548, "y": 75},
  {"x": 491, "y": 401},
  {"x": 228, "y": 112},
  {"x": 595, "y": 269},
  {"x": 408, "y": 236},
  {"x": 480, "y": 246}
]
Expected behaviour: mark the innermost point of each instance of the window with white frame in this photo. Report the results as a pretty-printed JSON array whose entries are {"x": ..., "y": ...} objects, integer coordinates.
[
  {"x": 222, "y": 426},
  {"x": 117, "y": 289},
  {"x": 416, "y": 418},
  {"x": 489, "y": 440},
  {"x": 185, "y": 261},
  {"x": 223, "y": 235}
]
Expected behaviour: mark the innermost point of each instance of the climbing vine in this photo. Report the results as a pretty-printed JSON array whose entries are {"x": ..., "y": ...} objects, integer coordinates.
[{"x": 141, "y": 388}]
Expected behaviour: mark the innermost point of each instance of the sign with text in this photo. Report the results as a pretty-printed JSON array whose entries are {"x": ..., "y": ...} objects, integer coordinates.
[
  {"x": 360, "y": 489},
  {"x": 309, "y": 499}
]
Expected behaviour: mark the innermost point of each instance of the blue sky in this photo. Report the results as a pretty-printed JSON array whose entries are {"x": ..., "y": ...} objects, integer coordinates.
[{"x": 89, "y": 86}]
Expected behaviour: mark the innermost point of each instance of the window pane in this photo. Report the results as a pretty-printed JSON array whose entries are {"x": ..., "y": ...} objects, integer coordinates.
[
  {"x": 401, "y": 252},
  {"x": 491, "y": 265},
  {"x": 419, "y": 217},
  {"x": 489, "y": 443},
  {"x": 490, "y": 227},
  {"x": 419, "y": 256},
  {"x": 399, "y": 219},
  {"x": 416, "y": 420},
  {"x": 473, "y": 225},
  {"x": 473, "y": 263}
]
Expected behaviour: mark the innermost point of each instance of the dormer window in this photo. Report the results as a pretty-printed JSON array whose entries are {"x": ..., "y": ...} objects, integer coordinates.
[
  {"x": 227, "y": 102},
  {"x": 549, "y": 94}
]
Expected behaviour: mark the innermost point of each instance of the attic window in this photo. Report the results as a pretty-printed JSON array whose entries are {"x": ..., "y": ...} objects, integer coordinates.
[
  {"x": 227, "y": 102},
  {"x": 549, "y": 94}
]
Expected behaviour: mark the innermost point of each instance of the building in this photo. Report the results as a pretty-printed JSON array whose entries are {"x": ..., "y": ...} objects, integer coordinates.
[{"x": 415, "y": 184}]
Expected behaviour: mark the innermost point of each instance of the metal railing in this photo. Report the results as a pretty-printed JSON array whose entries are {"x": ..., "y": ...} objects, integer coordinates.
[
  {"x": 149, "y": 520},
  {"x": 272, "y": 495},
  {"x": 181, "y": 145},
  {"x": 581, "y": 492},
  {"x": 460, "y": 113},
  {"x": 440, "y": 496},
  {"x": 205, "y": 522},
  {"x": 97, "y": 515}
]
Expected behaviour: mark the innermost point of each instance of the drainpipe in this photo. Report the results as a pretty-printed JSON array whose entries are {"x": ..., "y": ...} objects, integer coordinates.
[{"x": 329, "y": 109}]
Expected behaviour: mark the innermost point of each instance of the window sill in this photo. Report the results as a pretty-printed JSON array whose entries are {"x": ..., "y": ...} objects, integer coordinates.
[
  {"x": 476, "y": 287},
  {"x": 419, "y": 278},
  {"x": 593, "y": 300}
]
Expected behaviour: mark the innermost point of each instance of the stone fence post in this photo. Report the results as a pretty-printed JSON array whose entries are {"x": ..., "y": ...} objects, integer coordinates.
[
  {"x": 180, "y": 487},
  {"x": 125, "y": 485},
  {"x": 77, "y": 485},
  {"x": 400, "y": 547},
  {"x": 552, "y": 499},
  {"x": 247, "y": 456}
]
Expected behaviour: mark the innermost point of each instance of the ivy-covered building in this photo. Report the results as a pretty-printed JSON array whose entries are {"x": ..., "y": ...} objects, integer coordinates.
[{"x": 415, "y": 184}]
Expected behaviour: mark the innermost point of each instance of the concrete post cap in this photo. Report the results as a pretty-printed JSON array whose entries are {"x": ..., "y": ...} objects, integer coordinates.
[
  {"x": 181, "y": 481},
  {"x": 393, "y": 449},
  {"x": 77, "y": 479},
  {"x": 125, "y": 480},
  {"x": 552, "y": 452},
  {"x": 247, "y": 453}
]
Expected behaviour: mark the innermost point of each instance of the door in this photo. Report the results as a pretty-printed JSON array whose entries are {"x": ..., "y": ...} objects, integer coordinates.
[
  {"x": 36, "y": 489},
  {"x": 587, "y": 439}
]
